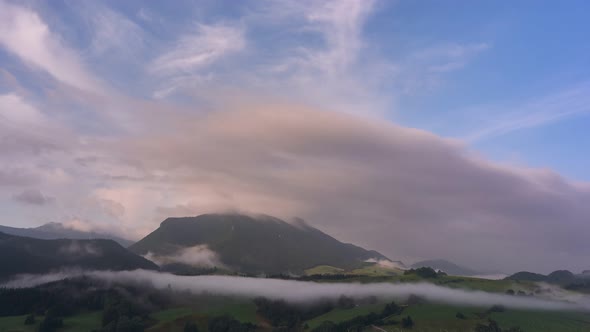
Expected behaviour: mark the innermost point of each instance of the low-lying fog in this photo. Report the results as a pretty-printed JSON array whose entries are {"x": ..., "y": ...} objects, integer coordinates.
[{"x": 300, "y": 291}]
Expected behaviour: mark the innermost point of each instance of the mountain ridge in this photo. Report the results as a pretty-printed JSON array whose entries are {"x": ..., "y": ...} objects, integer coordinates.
[
  {"x": 26, "y": 255},
  {"x": 254, "y": 244},
  {"x": 53, "y": 231}
]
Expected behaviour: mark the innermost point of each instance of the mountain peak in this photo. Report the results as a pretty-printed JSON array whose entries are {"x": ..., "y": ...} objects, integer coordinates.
[{"x": 254, "y": 243}]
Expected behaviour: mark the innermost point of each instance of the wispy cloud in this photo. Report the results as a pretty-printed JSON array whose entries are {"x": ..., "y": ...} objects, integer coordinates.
[
  {"x": 26, "y": 35},
  {"x": 448, "y": 57},
  {"x": 186, "y": 62},
  {"x": 113, "y": 33},
  {"x": 201, "y": 48},
  {"x": 543, "y": 111},
  {"x": 426, "y": 68},
  {"x": 340, "y": 23}
]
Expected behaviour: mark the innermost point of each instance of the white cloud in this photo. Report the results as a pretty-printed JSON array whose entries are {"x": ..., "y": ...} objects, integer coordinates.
[
  {"x": 24, "y": 129},
  {"x": 196, "y": 50},
  {"x": 449, "y": 57},
  {"x": 543, "y": 111},
  {"x": 319, "y": 61},
  {"x": 340, "y": 23},
  {"x": 15, "y": 111},
  {"x": 114, "y": 34},
  {"x": 197, "y": 256},
  {"x": 26, "y": 35}
]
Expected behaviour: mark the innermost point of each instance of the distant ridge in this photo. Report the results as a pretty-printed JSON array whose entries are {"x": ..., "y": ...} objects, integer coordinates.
[
  {"x": 20, "y": 255},
  {"x": 52, "y": 231},
  {"x": 248, "y": 244},
  {"x": 555, "y": 277},
  {"x": 446, "y": 266}
]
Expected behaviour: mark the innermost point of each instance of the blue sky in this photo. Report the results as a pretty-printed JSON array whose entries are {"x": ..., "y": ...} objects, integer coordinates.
[
  {"x": 499, "y": 58},
  {"x": 116, "y": 114}
]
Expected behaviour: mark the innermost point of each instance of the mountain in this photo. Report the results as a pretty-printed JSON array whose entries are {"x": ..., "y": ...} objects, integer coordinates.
[
  {"x": 527, "y": 276},
  {"x": 20, "y": 255},
  {"x": 51, "y": 231},
  {"x": 555, "y": 277},
  {"x": 445, "y": 266},
  {"x": 560, "y": 277},
  {"x": 247, "y": 244}
]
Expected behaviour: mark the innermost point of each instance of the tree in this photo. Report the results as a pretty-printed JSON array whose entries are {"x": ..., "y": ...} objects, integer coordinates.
[
  {"x": 346, "y": 302},
  {"x": 497, "y": 308},
  {"x": 460, "y": 315},
  {"x": 390, "y": 309},
  {"x": 191, "y": 327},
  {"x": 30, "y": 320},
  {"x": 407, "y": 322},
  {"x": 327, "y": 326},
  {"x": 424, "y": 272},
  {"x": 50, "y": 324},
  {"x": 229, "y": 324},
  {"x": 491, "y": 327},
  {"x": 126, "y": 324}
]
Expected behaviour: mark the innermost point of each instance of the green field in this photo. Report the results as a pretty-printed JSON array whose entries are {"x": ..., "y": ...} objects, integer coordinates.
[
  {"x": 436, "y": 318},
  {"x": 367, "y": 270},
  {"x": 340, "y": 315},
  {"x": 16, "y": 324},
  {"x": 323, "y": 269},
  {"x": 82, "y": 322},
  {"x": 174, "y": 319},
  {"x": 544, "y": 321}
]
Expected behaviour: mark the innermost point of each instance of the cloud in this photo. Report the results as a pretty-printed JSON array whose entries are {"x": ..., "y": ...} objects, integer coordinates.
[
  {"x": 24, "y": 129},
  {"x": 78, "y": 225},
  {"x": 535, "y": 113},
  {"x": 79, "y": 248},
  {"x": 114, "y": 34},
  {"x": 33, "y": 197},
  {"x": 201, "y": 48},
  {"x": 401, "y": 183},
  {"x": 425, "y": 68},
  {"x": 449, "y": 57},
  {"x": 26, "y": 35},
  {"x": 326, "y": 52},
  {"x": 197, "y": 256},
  {"x": 340, "y": 23},
  {"x": 16, "y": 177},
  {"x": 184, "y": 65},
  {"x": 386, "y": 263},
  {"x": 304, "y": 292}
]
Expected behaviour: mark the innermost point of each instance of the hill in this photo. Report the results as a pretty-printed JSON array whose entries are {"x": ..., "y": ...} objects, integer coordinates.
[
  {"x": 52, "y": 231},
  {"x": 261, "y": 244},
  {"x": 445, "y": 266},
  {"x": 527, "y": 276},
  {"x": 28, "y": 255},
  {"x": 555, "y": 277}
]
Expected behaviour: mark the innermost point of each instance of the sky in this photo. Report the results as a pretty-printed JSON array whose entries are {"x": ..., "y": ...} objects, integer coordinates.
[{"x": 421, "y": 129}]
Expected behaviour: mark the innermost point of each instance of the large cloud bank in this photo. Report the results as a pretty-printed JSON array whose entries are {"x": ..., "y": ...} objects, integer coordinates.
[
  {"x": 403, "y": 191},
  {"x": 301, "y": 292}
]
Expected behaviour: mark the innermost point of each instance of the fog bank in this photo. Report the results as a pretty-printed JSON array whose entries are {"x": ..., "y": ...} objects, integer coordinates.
[{"x": 299, "y": 291}]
